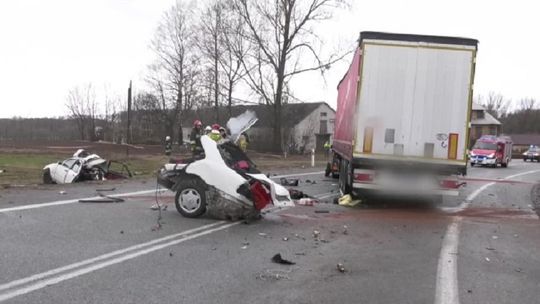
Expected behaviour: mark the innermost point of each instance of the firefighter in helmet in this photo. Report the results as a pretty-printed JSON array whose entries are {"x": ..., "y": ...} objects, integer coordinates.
[{"x": 195, "y": 138}]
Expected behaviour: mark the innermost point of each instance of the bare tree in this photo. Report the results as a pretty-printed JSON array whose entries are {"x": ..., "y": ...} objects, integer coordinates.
[
  {"x": 211, "y": 28},
  {"x": 174, "y": 75},
  {"x": 286, "y": 45},
  {"x": 83, "y": 108},
  {"x": 495, "y": 104},
  {"x": 527, "y": 104}
]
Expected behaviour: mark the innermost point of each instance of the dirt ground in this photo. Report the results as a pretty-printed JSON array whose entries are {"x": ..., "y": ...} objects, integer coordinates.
[{"x": 21, "y": 163}]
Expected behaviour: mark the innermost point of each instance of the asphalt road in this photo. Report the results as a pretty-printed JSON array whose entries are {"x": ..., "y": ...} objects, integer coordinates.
[{"x": 480, "y": 247}]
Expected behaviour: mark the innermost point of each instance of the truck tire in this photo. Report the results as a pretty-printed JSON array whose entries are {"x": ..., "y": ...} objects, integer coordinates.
[
  {"x": 47, "y": 179},
  {"x": 190, "y": 198},
  {"x": 345, "y": 184}
]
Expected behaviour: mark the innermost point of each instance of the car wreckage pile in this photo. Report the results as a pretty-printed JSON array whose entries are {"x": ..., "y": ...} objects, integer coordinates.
[
  {"x": 225, "y": 183},
  {"x": 83, "y": 166}
]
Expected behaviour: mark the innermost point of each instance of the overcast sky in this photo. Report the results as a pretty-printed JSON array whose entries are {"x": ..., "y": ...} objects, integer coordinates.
[{"x": 47, "y": 47}]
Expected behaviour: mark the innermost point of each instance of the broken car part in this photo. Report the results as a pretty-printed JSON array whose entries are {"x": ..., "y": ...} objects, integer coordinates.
[{"x": 279, "y": 260}]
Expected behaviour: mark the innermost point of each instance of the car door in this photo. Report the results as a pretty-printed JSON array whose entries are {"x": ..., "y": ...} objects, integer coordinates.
[
  {"x": 73, "y": 172},
  {"x": 62, "y": 170}
]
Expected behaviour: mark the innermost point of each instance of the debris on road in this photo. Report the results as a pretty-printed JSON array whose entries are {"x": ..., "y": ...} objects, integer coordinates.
[
  {"x": 297, "y": 194},
  {"x": 289, "y": 182},
  {"x": 490, "y": 248},
  {"x": 341, "y": 268},
  {"x": 487, "y": 259},
  {"x": 262, "y": 234},
  {"x": 104, "y": 199},
  {"x": 275, "y": 274},
  {"x": 285, "y": 238},
  {"x": 322, "y": 211},
  {"x": 2, "y": 171},
  {"x": 306, "y": 202},
  {"x": 345, "y": 229},
  {"x": 62, "y": 192},
  {"x": 347, "y": 200},
  {"x": 279, "y": 260},
  {"x": 316, "y": 235},
  {"x": 494, "y": 237},
  {"x": 106, "y": 189}
]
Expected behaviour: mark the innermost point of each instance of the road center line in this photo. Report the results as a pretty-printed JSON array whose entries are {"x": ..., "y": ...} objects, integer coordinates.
[
  {"x": 51, "y": 272},
  {"x": 79, "y": 272},
  {"x": 447, "y": 290}
]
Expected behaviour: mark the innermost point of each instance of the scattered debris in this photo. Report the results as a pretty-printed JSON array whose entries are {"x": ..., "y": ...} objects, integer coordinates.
[
  {"x": 345, "y": 229},
  {"x": 274, "y": 274},
  {"x": 106, "y": 189},
  {"x": 3, "y": 171},
  {"x": 341, "y": 268},
  {"x": 316, "y": 234},
  {"x": 494, "y": 237},
  {"x": 322, "y": 211},
  {"x": 487, "y": 259},
  {"x": 300, "y": 253},
  {"x": 515, "y": 235},
  {"x": 490, "y": 248},
  {"x": 244, "y": 247},
  {"x": 518, "y": 270},
  {"x": 171, "y": 254},
  {"x": 297, "y": 194},
  {"x": 289, "y": 182},
  {"x": 62, "y": 192},
  {"x": 469, "y": 291},
  {"x": 347, "y": 200},
  {"x": 279, "y": 260},
  {"x": 285, "y": 239},
  {"x": 306, "y": 202},
  {"x": 121, "y": 231},
  {"x": 245, "y": 243},
  {"x": 262, "y": 234},
  {"x": 104, "y": 199}
]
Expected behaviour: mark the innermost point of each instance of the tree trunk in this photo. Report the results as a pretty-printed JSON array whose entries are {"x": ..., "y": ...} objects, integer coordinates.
[{"x": 229, "y": 98}]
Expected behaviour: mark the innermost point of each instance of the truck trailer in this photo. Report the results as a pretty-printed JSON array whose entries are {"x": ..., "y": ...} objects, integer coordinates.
[{"x": 403, "y": 115}]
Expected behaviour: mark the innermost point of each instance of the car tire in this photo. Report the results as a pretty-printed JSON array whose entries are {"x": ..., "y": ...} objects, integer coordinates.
[
  {"x": 190, "y": 198},
  {"x": 472, "y": 164},
  {"x": 47, "y": 178}
]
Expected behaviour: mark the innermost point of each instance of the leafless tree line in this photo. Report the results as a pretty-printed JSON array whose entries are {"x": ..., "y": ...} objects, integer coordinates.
[{"x": 204, "y": 53}]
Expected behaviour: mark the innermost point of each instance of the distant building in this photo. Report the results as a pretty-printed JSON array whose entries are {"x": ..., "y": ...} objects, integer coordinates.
[
  {"x": 482, "y": 123},
  {"x": 306, "y": 126},
  {"x": 522, "y": 142}
]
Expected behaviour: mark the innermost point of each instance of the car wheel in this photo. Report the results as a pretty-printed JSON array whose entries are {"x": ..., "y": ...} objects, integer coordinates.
[
  {"x": 47, "y": 179},
  {"x": 190, "y": 199},
  {"x": 472, "y": 164}
]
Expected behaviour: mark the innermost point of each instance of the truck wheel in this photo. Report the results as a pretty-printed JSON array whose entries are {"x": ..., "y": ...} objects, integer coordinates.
[
  {"x": 47, "y": 179},
  {"x": 345, "y": 178},
  {"x": 190, "y": 199}
]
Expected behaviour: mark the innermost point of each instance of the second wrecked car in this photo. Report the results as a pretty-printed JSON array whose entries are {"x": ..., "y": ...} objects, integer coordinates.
[
  {"x": 82, "y": 166},
  {"x": 225, "y": 183}
]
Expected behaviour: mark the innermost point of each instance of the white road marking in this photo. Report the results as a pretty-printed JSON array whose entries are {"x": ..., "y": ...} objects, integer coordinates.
[
  {"x": 81, "y": 271},
  {"x": 51, "y": 272},
  {"x": 72, "y": 201},
  {"x": 447, "y": 290}
]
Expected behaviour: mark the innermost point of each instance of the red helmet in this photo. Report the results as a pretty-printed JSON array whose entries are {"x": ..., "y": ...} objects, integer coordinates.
[
  {"x": 197, "y": 123},
  {"x": 215, "y": 126}
]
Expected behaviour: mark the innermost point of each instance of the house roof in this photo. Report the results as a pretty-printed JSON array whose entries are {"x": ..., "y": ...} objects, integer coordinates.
[
  {"x": 525, "y": 139},
  {"x": 477, "y": 106},
  {"x": 488, "y": 118},
  {"x": 293, "y": 113}
]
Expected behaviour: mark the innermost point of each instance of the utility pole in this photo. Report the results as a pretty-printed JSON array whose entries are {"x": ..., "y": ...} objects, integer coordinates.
[{"x": 128, "y": 130}]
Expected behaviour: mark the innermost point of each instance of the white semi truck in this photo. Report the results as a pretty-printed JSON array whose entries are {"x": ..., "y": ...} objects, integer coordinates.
[{"x": 403, "y": 115}]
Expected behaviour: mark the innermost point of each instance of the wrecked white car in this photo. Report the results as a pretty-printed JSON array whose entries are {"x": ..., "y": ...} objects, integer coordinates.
[
  {"x": 225, "y": 184},
  {"x": 81, "y": 167}
]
